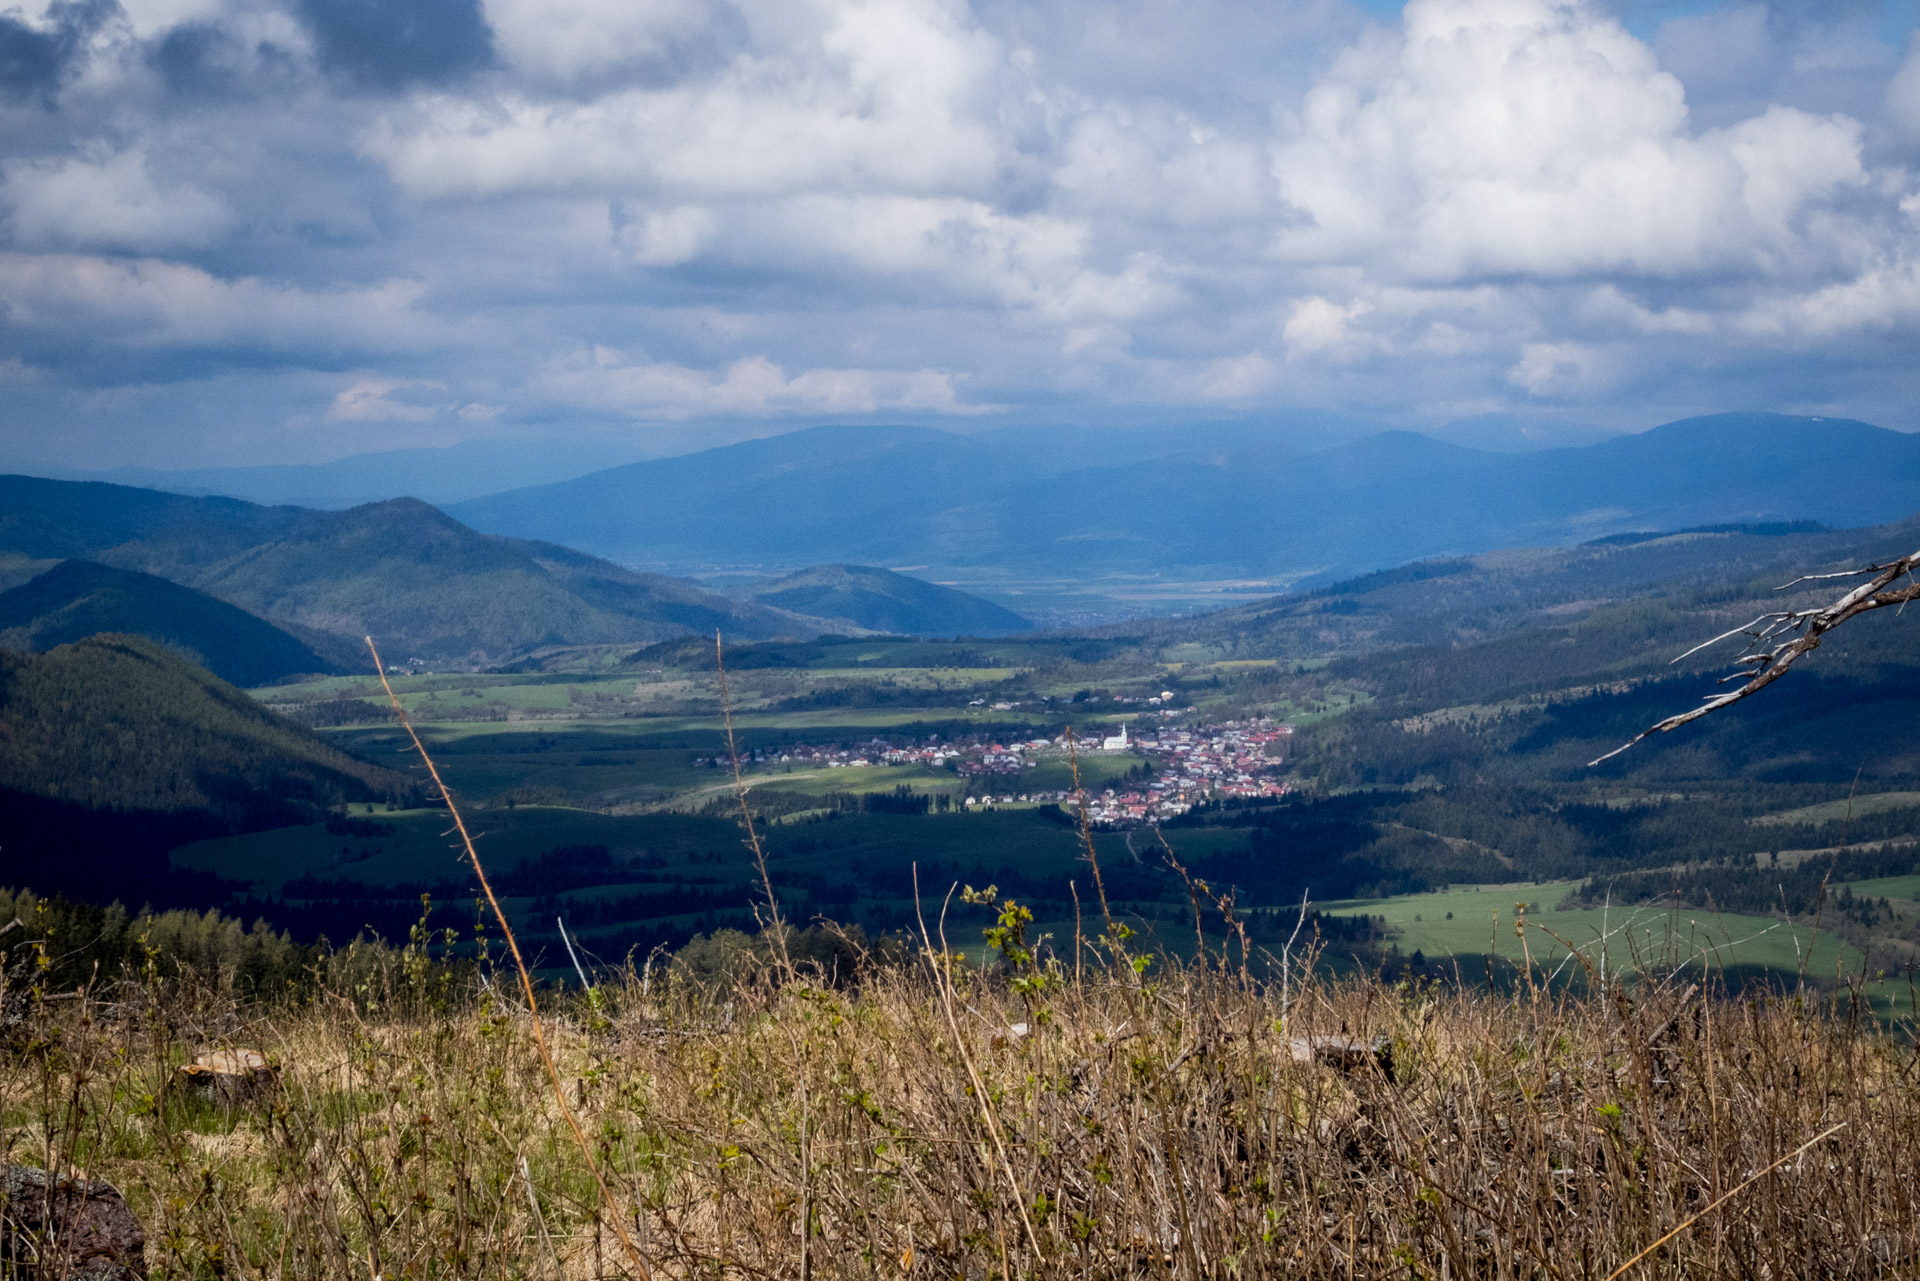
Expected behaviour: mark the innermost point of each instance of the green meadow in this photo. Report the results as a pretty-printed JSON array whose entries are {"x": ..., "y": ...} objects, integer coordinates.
[{"x": 1474, "y": 922}]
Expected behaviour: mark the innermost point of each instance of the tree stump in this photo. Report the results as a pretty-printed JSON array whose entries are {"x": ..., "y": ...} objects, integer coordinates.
[
  {"x": 66, "y": 1227},
  {"x": 1343, "y": 1054},
  {"x": 227, "y": 1076}
]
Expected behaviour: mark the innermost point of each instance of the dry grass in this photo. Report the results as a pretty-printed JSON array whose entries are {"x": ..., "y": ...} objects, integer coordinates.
[{"x": 1159, "y": 1126}]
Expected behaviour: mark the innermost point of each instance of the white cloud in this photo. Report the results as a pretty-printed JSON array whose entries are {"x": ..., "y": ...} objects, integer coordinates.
[
  {"x": 567, "y": 40},
  {"x": 1539, "y": 138},
  {"x": 669, "y": 237},
  {"x": 112, "y": 202},
  {"x": 1561, "y": 369},
  {"x": 1318, "y": 325},
  {"x": 372, "y": 400},
  {"x": 150, "y": 304},
  {"x": 750, "y": 387},
  {"x": 837, "y": 94}
]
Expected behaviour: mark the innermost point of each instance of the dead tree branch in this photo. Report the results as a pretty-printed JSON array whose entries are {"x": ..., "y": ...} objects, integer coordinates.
[{"x": 1776, "y": 641}]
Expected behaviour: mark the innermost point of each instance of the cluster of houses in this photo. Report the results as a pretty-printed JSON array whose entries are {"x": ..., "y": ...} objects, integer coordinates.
[
  {"x": 974, "y": 756},
  {"x": 1237, "y": 759}
]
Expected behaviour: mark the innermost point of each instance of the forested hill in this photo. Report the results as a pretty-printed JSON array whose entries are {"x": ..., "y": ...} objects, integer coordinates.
[
  {"x": 1472, "y": 599},
  {"x": 114, "y": 748},
  {"x": 401, "y": 570},
  {"x": 77, "y": 599},
  {"x": 880, "y": 600}
]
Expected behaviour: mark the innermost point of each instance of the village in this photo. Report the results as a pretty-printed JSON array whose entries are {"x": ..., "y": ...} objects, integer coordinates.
[
  {"x": 1237, "y": 760},
  {"x": 1181, "y": 767}
]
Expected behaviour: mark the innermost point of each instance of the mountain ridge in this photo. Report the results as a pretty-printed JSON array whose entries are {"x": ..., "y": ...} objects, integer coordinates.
[
  {"x": 918, "y": 496},
  {"x": 79, "y": 598},
  {"x": 401, "y": 570}
]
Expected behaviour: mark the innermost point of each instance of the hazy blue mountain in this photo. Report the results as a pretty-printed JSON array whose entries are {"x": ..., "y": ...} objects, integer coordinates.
[
  {"x": 408, "y": 574},
  {"x": 923, "y": 497},
  {"x": 78, "y": 598},
  {"x": 64, "y": 518},
  {"x": 782, "y": 501},
  {"x": 466, "y": 470},
  {"x": 880, "y": 600}
]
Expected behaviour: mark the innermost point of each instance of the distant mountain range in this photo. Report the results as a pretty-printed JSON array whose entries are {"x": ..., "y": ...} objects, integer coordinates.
[
  {"x": 474, "y": 468},
  {"x": 417, "y": 580},
  {"x": 924, "y": 497},
  {"x": 402, "y": 571},
  {"x": 444, "y": 475}
]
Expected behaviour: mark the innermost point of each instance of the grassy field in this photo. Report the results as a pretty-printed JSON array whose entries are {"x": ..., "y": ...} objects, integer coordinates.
[
  {"x": 1888, "y": 887},
  {"x": 1835, "y": 811},
  {"x": 1478, "y": 921},
  {"x": 595, "y": 755}
]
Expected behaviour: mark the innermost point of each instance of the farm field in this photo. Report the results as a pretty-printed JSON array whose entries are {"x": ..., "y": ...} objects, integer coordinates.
[
  {"x": 626, "y": 750},
  {"x": 1477, "y": 921},
  {"x": 1736, "y": 948}
]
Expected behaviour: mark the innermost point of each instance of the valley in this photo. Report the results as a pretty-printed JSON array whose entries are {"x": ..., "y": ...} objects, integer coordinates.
[
  {"x": 1381, "y": 791},
  {"x": 1374, "y": 744}
]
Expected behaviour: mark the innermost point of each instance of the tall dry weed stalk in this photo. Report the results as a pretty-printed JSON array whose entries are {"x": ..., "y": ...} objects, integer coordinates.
[{"x": 519, "y": 964}]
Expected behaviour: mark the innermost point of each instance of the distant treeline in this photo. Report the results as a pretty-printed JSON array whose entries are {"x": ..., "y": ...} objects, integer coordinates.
[{"x": 1754, "y": 888}]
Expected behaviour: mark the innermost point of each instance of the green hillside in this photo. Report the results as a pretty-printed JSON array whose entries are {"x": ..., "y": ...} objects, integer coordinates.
[
  {"x": 880, "y": 600},
  {"x": 121, "y": 722},
  {"x": 419, "y": 581},
  {"x": 1464, "y": 601},
  {"x": 77, "y": 598},
  {"x": 424, "y": 584},
  {"x": 114, "y": 748}
]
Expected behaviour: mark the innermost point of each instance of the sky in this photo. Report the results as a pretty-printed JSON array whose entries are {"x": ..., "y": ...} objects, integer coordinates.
[{"x": 258, "y": 231}]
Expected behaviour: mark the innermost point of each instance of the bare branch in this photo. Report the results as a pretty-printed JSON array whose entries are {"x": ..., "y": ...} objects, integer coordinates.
[
  {"x": 1821, "y": 578},
  {"x": 1807, "y": 627}
]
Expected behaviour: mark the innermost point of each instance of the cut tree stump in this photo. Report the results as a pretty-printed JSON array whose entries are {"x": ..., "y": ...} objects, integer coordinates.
[
  {"x": 57, "y": 1226},
  {"x": 228, "y": 1076},
  {"x": 1345, "y": 1055}
]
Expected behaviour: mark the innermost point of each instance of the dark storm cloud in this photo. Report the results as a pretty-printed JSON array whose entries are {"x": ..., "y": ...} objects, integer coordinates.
[
  {"x": 389, "y": 44},
  {"x": 203, "y": 61},
  {"x": 34, "y": 60}
]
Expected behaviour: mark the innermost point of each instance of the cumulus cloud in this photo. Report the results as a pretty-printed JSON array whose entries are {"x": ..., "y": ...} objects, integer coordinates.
[
  {"x": 880, "y": 94},
  {"x": 1539, "y": 138},
  {"x": 417, "y": 213},
  {"x": 87, "y": 301},
  {"x": 113, "y": 202},
  {"x": 389, "y": 400}
]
